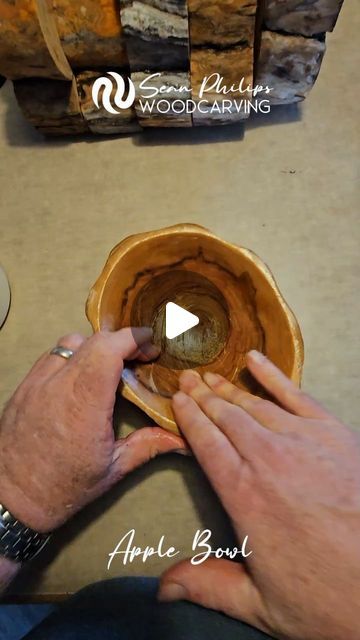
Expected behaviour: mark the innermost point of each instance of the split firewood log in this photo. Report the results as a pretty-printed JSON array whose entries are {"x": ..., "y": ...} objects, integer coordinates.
[
  {"x": 231, "y": 66},
  {"x": 289, "y": 65},
  {"x": 303, "y": 17},
  {"x": 157, "y": 40},
  {"x": 222, "y": 34},
  {"x": 100, "y": 120},
  {"x": 167, "y": 108},
  {"x": 29, "y": 41},
  {"x": 157, "y": 34},
  {"x": 91, "y": 33},
  {"x": 52, "y": 106},
  {"x": 221, "y": 23}
]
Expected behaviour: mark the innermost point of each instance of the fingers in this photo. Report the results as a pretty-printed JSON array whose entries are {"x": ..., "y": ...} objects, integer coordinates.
[
  {"x": 123, "y": 344},
  {"x": 98, "y": 364},
  {"x": 283, "y": 389},
  {"x": 245, "y": 433},
  {"x": 215, "y": 453},
  {"x": 216, "y": 584},
  {"x": 267, "y": 413},
  {"x": 148, "y": 351},
  {"x": 143, "y": 445},
  {"x": 49, "y": 364},
  {"x": 72, "y": 341}
]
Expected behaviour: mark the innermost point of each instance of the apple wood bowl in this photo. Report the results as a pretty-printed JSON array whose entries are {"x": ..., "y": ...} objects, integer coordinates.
[{"x": 229, "y": 288}]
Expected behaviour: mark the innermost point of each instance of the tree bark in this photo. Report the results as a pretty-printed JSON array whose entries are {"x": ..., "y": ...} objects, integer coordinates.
[
  {"x": 303, "y": 17},
  {"x": 157, "y": 34},
  {"x": 52, "y": 106},
  {"x": 289, "y": 65}
]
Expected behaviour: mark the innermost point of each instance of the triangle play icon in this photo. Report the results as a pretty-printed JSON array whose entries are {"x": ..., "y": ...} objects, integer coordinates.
[{"x": 178, "y": 320}]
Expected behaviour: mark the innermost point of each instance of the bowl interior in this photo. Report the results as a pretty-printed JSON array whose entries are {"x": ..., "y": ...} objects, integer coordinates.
[{"x": 228, "y": 288}]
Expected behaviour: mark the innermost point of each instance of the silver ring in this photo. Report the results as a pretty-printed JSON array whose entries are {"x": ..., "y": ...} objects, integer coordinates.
[{"x": 63, "y": 352}]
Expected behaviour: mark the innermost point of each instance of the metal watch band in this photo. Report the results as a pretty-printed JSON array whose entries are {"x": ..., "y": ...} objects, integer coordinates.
[{"x": 18, "y": 542}]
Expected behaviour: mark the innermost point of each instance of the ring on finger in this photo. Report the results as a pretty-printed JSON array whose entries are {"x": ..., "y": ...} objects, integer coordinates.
[{"x": 63, "y": 352}]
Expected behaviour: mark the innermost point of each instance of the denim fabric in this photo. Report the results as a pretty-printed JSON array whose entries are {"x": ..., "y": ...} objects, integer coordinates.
[
  {"x": 17, "y": 619},
  {"x": 127, "y": 609}
]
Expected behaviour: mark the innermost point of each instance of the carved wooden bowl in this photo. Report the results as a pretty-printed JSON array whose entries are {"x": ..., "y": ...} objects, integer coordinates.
[{"x": 228, "y": 287}]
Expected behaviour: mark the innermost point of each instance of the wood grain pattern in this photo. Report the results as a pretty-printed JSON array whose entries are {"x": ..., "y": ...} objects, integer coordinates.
[
  {"x": 232, "y": 65},
  {"x": 161, "y": 115},
  {"x": 222, "y": 34},
  {"x": 91, "y": 33},
  {"x": 222, "y": 23},
  {"x": 228, "y": 287},
  {"x": 29, "y": 42},
  {"x": 157, "y": 34},
  {"x": 52, "y": 106},
  {"x": 100, "y": 121},
  {"x": 289, "y": 65},
  {"x": 302, "y": 17}
]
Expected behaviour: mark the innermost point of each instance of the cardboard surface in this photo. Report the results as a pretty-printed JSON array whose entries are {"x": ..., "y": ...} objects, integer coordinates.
[{"x": 287, "y": 190}]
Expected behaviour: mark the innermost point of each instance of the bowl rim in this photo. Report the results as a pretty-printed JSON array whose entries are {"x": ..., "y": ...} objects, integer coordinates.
[{"x": 93, "y": 303}]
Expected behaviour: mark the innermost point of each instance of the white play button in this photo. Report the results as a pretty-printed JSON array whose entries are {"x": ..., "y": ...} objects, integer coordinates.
[{"x": 178, "y": 320}]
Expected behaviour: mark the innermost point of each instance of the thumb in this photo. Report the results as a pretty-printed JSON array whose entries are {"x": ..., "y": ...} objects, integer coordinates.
[
  {"x": 216, "y": 584},
  {"x": 143, "y": 445}
]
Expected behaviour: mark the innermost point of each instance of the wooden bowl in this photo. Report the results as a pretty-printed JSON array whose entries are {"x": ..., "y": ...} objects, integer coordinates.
[{"x": 229, "y": 288}]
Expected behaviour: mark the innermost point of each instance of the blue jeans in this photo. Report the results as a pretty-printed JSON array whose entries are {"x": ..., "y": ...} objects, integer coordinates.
[{"x": 127, "y": 609}]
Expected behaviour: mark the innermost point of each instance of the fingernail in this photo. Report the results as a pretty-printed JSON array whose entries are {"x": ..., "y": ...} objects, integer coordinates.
[
  {"x": 180, "y": 399},
  {"x": 189, "y": 379},
  {"x": 183, "y": 452},
  {"x": 172, "y": 591},
  {"x": 257, "y": 356},
  {"x": 141, "y": 334},
  {"x": 150, "y": 350},
  {"x": 148, "y": 330},
  {"x": 212, "y": 378}
]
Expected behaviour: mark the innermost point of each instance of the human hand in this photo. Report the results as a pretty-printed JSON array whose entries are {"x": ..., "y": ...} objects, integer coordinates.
[
  {"x": 57, "y": 445},
  {"x": 289, "y": 478}
]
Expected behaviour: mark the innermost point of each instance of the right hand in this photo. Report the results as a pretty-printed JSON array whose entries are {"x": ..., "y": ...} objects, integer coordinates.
[{"x": 289, "y": 478}]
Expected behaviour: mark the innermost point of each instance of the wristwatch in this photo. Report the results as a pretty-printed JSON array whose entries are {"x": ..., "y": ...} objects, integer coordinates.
[{"x": 18, "y": 542}]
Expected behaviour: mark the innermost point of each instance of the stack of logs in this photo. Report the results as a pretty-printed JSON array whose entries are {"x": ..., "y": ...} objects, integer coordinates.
[{"x": 54, "y": 50}]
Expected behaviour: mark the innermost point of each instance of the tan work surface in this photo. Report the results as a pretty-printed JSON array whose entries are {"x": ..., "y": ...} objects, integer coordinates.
[{"x": 286, "y": 189}]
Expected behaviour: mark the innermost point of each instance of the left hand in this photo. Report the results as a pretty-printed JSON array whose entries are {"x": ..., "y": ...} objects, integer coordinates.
[{"x": 57, "y": 446}]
